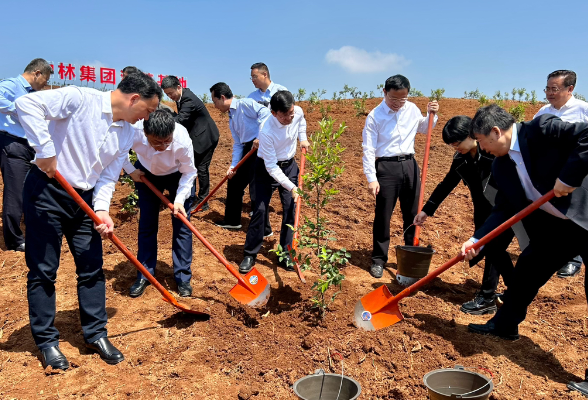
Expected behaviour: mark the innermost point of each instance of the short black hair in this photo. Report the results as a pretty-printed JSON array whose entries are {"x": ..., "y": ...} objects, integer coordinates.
[
  {"x": 130, "y": 70},
  {"x": 170, "y": 81},
  {"x": 488, "y": 117},
  {"x": 262, "y": 67},
  {"x": 221, "y": 89},
  {"x": 160, "y": 124},
  {"x": 457, "y": 129},
  {"x": 282, "y": 101},
  {"x": 569, "y": 76},
  {"x": 39, "y": 64},
  {"x": 141, "y": 84},
  {"x": 397, "y": 82}
]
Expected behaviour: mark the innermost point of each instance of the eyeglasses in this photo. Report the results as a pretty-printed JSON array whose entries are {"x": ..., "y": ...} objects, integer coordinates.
[
  {"x": 252, "y": 77},
  {"x": 397, "y": 100},
  {"x": 159, "y": 143},
  {"x": 554, "y": 89}
]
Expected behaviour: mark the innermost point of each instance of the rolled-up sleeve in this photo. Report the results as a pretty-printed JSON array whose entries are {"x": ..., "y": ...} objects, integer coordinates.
[
  {"x": 189, "y": 173},
  {"x": 370, "y": 141},
  {"x": 34, "y": 109},
  {"x": 6, "y": 91}
]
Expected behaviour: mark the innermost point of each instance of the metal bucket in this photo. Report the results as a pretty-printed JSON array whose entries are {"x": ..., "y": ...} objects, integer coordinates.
[
  {"x": 327, "y": 387},
  {"x": 457, "y": 383},
  {"x": 413, "y": 263}
]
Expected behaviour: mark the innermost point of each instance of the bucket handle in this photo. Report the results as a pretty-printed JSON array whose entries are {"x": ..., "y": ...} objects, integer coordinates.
[{"x": 462, "y": 368}]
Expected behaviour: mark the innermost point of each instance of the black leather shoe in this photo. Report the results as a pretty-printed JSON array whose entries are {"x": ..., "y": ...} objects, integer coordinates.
[
  {"x": 569, "y": 270},
  {"x": 479, "y": 305},
  {"x": 489, "y": 328},
  {"x": 205, "y": 207},
  {"x": 287, "y": 263},
  {"x": 376, "y": 270},
  {"x": 581, "y": 387},
  {"x": 107, "y": 351},
  {"x": 20, "y": 247},
  {"x": 139, "y": 287},
  {"x": 54, "y": 357},
  {"x": 184, "y": 289},
  {"x": 246, "y": 264}
]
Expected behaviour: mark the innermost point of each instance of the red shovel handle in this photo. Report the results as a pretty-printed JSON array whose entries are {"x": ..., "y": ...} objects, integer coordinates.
[
  {"x": 297, "y": 216},
  {"x": 70, "y": 190},
  {"x": 496, "y": 232},
  {"x": 197, "y": 233},
  {"x": 217, "y": 187},
  {"x": 424, "y": 174}
]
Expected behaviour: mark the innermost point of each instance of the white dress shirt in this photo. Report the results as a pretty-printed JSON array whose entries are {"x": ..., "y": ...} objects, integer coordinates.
[
  {"x": 90, "y": 146},
  {"x": 389, "y": 133},
  {"x": 266, "y": 96},
  {"x": 246, "y": 117},
  {"x": 179, "y": 156},
  {"x": 277, "y": 142},
  {"x": 574, "y": 110}
]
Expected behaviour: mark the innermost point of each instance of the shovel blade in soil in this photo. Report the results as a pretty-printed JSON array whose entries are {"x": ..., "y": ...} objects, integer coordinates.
[
  {"x": 185, "y": 308},
  {"x": 256, "y": 293},
  {"x": 376, "y": 310}
]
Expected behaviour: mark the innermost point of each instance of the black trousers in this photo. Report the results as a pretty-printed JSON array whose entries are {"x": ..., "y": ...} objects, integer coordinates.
[
  {"x": 399, "y": 180},
  {"x": 265, "y": 186},
  {"x": 236, "y": 187},
  {"x": 553, "y": 242},
  {"x": 50, "y": 213},
  {"x": 202, "y": 163},
  {"x": 15, "y": 162},
  {"x": 149, "y": 225},
  {"x": 498, "y": 263}
]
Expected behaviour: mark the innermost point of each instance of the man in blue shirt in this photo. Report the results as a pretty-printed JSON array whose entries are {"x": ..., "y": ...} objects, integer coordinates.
[
  {"x": 260, "y": 77},
  {"x": 246, "y": 117},
  {"x": 15, "y": 153}
]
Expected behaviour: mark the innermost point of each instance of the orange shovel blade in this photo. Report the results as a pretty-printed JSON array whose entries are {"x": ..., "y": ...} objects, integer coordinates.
[
  {"x": 256, "y": 293},
  {"x": 376, "y": 310},
  {"x": 185, "y": 308}
]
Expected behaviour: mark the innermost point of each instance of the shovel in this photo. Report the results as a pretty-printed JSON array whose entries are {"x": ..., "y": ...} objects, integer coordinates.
[
  {"x": 217, "y": 187},
  {"x": 424, "y": 175},
  {"x": 166, "y": 295},
  {"x": 254, "y": 290},
  {"x": 297, "y": 216},
  {"x": 379, "y": 309}
]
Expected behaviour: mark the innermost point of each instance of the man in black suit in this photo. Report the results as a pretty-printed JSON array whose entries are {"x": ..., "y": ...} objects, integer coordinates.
[
  {"x": 531, "y": 159},
  {"x": 194, "y": 116}
]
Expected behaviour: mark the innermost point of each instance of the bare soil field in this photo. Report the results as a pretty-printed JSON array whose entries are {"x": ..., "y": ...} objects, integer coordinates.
[{"x": 243, "y": 353}]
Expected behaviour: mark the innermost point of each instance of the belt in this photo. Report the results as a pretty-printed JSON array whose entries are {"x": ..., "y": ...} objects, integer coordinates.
[
  {"x": 19, "y": 139},
  {"x": 403, "y": 157},
  {"x": 285, "y": 163}
]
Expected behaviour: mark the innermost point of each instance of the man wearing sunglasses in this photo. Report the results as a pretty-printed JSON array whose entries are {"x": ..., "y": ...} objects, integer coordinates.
[
  {"x": 563, "y": 104},
  {"x": 166, "y": 158},
  {"x": 389, "y": 164}
]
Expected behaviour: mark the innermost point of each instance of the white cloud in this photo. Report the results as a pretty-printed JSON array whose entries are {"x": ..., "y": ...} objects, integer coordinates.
[{"x": 357, "y": 60}]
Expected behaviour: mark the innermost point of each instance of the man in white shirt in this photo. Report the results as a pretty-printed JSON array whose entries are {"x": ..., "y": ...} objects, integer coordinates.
[
  {"x": 276, "y": 168},
  {"x": 563, "y": 104},
  {"x": 389, "y": 164},
  {"x": 166, "y": 158},
  {"x": 260, "y": 77},
  {"x": 246, "y": 117},
  {"x": 88, "y": 138}
]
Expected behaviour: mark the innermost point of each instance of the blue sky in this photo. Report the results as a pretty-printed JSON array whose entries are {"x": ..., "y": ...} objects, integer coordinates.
[{"x": 456, "y": 45}]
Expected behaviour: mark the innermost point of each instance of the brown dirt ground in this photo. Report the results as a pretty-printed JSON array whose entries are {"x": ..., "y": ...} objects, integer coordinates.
[{"x": 245, "y": 353}]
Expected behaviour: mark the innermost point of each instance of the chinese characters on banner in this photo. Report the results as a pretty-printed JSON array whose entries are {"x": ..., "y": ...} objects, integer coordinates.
[{"x": 87, "y": 73}]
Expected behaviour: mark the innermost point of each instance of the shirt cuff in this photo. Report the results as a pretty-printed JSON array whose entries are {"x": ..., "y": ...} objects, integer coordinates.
[
  {"x": 101, "y": 205},
  {"x": 302, "y": 136},
  {"x": 565, "y": 183},
  {"x": 45, "y": 151},
  {"x": 289, "y": 185},
  {"x": 371, "y": 178}
]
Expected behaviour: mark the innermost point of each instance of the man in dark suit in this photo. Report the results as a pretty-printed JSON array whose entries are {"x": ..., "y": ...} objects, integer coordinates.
[
  {"x": 531, "y": 159},
  {"x": 194, "y": 116}
]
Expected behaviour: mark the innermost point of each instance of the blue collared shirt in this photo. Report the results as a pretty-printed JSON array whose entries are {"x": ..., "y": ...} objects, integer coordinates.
[
  {"x": 246, "y": 117},
  {"x": 265, "y": 97},
  {"x": 10, "y": 90}
]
